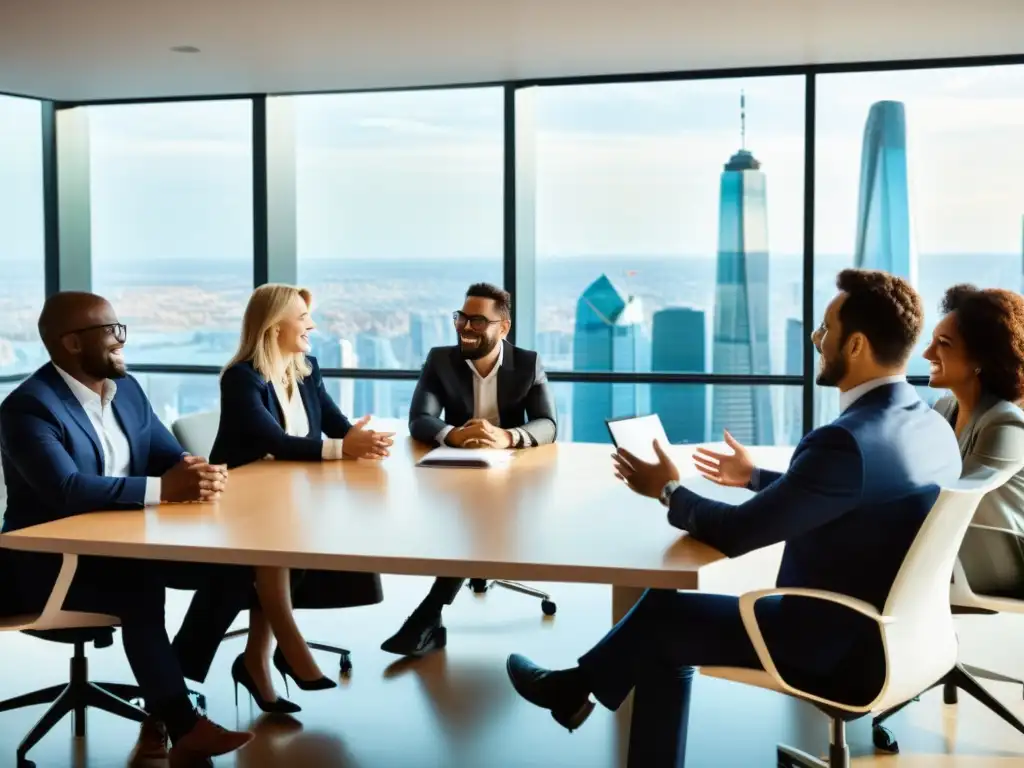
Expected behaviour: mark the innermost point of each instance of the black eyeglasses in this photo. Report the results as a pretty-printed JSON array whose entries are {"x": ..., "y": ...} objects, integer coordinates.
[
  {"x": 478, "y": 323},
  {"x": 118, "y": 330}
]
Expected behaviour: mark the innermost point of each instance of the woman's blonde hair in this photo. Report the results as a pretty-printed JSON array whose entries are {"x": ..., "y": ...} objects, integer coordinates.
[{"x": 266, "y": 308}]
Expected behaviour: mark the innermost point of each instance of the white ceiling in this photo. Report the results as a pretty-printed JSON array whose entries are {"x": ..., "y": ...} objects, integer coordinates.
[{"x": 106, "y": 49}]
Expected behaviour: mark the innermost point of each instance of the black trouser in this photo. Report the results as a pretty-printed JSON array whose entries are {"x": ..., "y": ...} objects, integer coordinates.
[
  {"x": 443, "y": 592},
  {"x": 134, "y": 592},
  {"x": 655, "y": 647}
]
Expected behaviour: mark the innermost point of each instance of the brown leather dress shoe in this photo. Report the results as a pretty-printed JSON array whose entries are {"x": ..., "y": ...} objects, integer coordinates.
[
  {"x": 151, "y": 746},
  {"x": 205, "y": 740}
]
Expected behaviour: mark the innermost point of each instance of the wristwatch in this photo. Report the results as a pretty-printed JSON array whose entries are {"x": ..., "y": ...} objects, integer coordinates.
[{"x": 666, "y": 492}]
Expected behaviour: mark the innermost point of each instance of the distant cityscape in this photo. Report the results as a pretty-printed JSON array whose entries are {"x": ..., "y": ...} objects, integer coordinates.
[{"x": 735, "y": 312}]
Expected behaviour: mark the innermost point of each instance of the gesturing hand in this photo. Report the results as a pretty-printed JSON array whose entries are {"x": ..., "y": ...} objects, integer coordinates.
[
  {"x": 360, "y": 443},
  {"x": 645, "y": 478},
  {"x": 480, "y": 433},
  {"x": 733, "y": 469},
  {"x": 193, "y": 479}
]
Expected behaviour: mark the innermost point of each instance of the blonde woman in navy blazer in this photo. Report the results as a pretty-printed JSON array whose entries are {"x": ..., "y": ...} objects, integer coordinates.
[{"x": 274, "y": 406}]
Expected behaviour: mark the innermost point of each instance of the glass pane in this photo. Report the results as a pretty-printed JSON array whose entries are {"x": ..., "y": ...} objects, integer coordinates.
[
  {"x": 919, "y": 173},
  {"x": 669, "y": 231},
  {"x": 174, "y": 394},
  {"x": 399, "y": 205},
  {"x": 22, "y": 250},
  {"x": 172, "y": 232},
  {"x": 686, "y": 410}
]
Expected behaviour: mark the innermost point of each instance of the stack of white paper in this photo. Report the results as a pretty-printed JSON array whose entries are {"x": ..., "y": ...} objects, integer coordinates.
[{"x": 465, "y": 457}]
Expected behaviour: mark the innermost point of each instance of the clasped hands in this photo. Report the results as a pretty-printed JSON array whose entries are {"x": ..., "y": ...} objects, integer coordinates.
[
  {"x": 361, "y": 443},
  {"x": 650, "y": 478},
  {"x": 193, "y": 479},
  {"x": 479, "y": 433}
]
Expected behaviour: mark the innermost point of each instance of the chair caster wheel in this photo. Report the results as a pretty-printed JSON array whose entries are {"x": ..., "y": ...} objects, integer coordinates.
[
  {"x": 549, "y": 607},
  {"x": 24, "y": 762},
  {"x": 479, "y": 586},
  {"x": 884, "y": 740},
  {"x": 345, "y": 664}
]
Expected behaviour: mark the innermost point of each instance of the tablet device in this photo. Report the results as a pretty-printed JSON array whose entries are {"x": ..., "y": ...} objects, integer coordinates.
[{"x": 637, "y": 435}]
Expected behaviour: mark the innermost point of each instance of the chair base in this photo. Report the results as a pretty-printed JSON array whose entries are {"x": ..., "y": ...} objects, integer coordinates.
[
  {"x": 838, "y": 752},
  {"x": 547, "y": 605},
  {"x": 344, "y": 655},
  {"x": 961, "y": 677},
  {"x": 74, "y": 698}
]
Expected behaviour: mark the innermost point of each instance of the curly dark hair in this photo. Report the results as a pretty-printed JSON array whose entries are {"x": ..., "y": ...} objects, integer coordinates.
[
  {"x": 502, "y": 299},
  {"x": 885, "y": 308},
  {"x": 991, "y": 322}
]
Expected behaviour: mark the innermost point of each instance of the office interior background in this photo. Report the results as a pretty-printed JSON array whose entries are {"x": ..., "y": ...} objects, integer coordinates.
[{"x": 670, "y": 240}]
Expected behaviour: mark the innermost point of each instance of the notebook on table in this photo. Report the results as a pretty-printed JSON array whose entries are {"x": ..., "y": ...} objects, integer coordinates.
[
  {"x": 637, "y": 435},
  {"x": 482, "y": 458}
]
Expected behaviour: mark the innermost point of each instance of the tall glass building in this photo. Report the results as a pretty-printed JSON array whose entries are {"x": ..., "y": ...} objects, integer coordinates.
[
  {"x": 677, "y": 346},
  {"x": 884, "y": 231},
  {"x": 608, "y": 337},
  {"x": 740, "y": 344}
]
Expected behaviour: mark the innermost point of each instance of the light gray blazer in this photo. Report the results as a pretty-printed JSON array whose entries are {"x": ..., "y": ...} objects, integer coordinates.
[{"x": 994, "y": 437}]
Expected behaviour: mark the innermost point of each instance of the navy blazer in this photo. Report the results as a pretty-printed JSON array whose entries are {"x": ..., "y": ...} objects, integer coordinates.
[
  {"x": 848, "y": 508},
  {"x": 52, "y": 457},
  {"x": 252, "y": 423},
  {"x": 446, "y": 384}
]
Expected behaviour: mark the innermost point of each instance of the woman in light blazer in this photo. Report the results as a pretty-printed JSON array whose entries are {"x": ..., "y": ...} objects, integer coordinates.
[
  {"x": 274, "y": 406},
  {"x": 977, "y": 353}
]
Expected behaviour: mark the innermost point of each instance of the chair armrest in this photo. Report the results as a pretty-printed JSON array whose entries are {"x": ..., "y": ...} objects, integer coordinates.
[
  {"x": 55, "y": 602},
  {"x": 995, "y": 529},
  {"x": 747, "y": 603}
]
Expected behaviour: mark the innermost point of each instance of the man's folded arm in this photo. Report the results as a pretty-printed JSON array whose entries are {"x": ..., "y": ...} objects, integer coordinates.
[
  {"x": 33, "y": 445},
  {"x": 822, "y": 484},
  {"x": 541, "y": 427},
  {"x": 425, "y": 423}
]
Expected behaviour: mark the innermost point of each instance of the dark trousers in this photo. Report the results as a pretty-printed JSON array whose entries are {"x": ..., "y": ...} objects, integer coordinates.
[
  {"x": 134, "y": 592},
  {"x": 655, "y": 647},
  {"x": 444, "y": 591}
]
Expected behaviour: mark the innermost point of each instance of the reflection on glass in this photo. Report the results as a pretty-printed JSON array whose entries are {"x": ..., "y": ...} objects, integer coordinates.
[
  {"x": 172, "y": 234},
  {"x": 21, "y": 235},
  {"x": 919, "y": 173},
  {"x": 684, "y": 409},
  {"x": 399, "y": 206}
]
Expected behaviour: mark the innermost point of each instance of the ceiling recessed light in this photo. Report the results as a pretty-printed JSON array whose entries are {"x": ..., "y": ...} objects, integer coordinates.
[{"x": 185, "y": 49}]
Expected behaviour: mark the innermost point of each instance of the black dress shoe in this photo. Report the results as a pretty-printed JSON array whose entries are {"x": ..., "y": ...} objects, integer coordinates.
[
  {"x": 420, "y": 635},
  {"x": 554, "y": 691}
]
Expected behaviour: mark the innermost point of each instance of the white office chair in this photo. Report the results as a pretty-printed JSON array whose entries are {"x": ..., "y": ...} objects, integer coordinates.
[
  {"x": 916, "y": 625},
  {"x": 76, "y": 628},
  {"x": 963, "y": 600},
  {"x": 197, "y": 433}
]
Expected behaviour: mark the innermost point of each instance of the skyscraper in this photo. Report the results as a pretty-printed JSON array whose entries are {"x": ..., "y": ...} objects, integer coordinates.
[
  {"x": 740, "y": 344},
  {"x": 884, "y": 231},
  {"x": 428, "y": 330},
  {"x": 677, "y": 346},
  {"x": 793, "y": 411},
  {"x": 608, "y": 337}
]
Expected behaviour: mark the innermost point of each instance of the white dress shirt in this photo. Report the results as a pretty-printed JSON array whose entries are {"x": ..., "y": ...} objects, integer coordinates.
[
  {"x": 485, "y": 401},
  {"x": 296, "y": 421},
  {"x": 117, "y": 454},
  {"x": 850, "y": 396}
]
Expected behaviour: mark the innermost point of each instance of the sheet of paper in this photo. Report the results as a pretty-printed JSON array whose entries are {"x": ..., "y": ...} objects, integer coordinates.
[
  {"x": 445, "y": 456},
  {"x": 638, "y": 435}
]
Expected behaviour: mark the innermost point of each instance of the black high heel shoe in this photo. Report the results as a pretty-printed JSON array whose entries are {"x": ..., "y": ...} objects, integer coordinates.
[
  {"x": 241, "y": 676},
  {"x": 321, "y": 684}
]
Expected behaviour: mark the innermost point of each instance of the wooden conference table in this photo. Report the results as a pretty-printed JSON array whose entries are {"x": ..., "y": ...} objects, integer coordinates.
[{"x": 555, "y": 513}]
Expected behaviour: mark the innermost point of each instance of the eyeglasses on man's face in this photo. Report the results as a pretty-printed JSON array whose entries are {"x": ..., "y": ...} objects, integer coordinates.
[
  {"x": 478, "y": 323},
  {"x": 118, "y": 330}
]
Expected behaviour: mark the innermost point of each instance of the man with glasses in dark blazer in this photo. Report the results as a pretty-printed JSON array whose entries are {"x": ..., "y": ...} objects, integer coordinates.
[{"x": 492, "y": 395}]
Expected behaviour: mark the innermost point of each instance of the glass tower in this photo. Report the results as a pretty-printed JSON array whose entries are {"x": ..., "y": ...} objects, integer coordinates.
[
  {"x": 884, "y": 232},
  {"x": 740, "y": 344},
  {"x": 608, "y": 337},
  {"x": 677, "y": 346}
]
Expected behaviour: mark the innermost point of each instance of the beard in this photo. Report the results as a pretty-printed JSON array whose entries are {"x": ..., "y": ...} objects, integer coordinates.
[
  {"x": 104, "y": 366},
  {"x": 482, "y": 348},
  {"x": 832, "y": 372}
]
